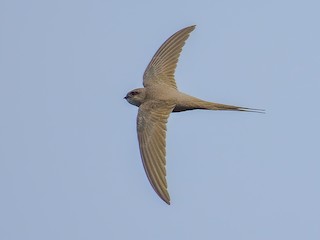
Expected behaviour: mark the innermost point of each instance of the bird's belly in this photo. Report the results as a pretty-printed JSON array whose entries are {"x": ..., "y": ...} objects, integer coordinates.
[{"x": 181, "y": 108}]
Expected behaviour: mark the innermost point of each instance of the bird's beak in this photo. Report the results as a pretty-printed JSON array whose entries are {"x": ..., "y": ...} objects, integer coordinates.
[{"x": 125, "y": 97}]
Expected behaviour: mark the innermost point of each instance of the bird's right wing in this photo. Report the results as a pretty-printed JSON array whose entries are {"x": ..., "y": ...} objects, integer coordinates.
[
  {"x": 151, "y": 127},
  {"x": 163, "y": 64}
]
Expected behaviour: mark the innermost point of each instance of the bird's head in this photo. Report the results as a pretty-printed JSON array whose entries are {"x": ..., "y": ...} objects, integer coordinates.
[{"x": 136, "y": 96}]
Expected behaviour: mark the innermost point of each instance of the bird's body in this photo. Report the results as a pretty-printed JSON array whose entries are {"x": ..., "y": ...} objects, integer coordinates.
[
  {"x": 159, "y": 97},
  {"x": 182, "y": 101}
]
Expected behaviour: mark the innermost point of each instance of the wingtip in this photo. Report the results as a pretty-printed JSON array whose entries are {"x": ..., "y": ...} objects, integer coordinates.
[
  {"x": 166, "y": 199},
  {"x": 192, "y": 27}
]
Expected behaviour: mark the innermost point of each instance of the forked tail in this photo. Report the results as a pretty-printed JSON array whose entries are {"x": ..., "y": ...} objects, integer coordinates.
[
  {"x": 218, "y": 106},
  {"x": 186, "y": 102}
]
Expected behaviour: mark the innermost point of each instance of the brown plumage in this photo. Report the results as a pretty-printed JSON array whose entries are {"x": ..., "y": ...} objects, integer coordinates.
[{"x": 158, "y": 98}]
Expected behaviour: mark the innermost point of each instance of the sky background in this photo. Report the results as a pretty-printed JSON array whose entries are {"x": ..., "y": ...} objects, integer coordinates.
[{"x": 69, "y": 160}]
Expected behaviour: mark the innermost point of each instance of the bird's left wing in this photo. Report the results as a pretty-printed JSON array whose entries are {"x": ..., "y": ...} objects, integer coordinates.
[
  {"x": 164, "y": 62},
  {"x": 151, "y": 127}
]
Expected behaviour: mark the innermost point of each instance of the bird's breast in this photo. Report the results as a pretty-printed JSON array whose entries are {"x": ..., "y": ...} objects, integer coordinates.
[{"x": 161, "y": 93}]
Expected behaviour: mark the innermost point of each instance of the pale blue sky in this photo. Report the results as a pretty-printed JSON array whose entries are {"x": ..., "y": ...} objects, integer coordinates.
[{"x": 69, "y": 159}]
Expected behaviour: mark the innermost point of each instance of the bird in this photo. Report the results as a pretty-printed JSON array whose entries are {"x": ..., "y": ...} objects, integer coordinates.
[{"x": 156, "y": 100}]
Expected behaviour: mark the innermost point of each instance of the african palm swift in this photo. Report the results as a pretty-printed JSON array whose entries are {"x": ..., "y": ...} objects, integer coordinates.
[{"x": 159, "y": 97}]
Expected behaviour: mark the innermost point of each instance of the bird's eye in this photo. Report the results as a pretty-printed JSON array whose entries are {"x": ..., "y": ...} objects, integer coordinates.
[{"x": 134, "y": 93}]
